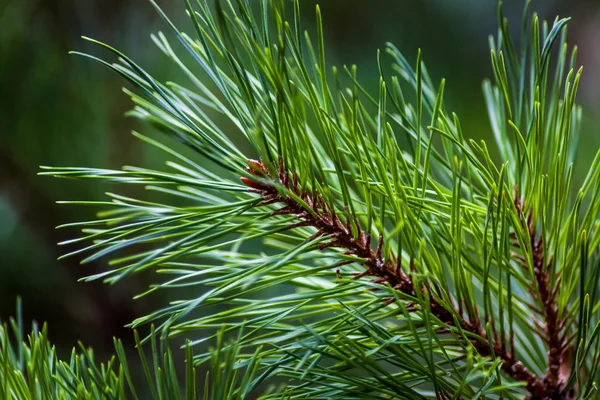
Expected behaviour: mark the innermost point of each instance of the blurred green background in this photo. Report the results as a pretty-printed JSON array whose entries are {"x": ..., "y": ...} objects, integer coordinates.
[{"x": 62, "y": 110}]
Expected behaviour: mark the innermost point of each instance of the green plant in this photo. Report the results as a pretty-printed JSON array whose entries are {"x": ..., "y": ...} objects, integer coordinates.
[{"x": 411, "y": 261}]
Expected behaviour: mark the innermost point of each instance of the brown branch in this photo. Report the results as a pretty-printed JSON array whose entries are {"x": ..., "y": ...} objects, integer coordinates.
[
  {"x": 552, "y": 327},
  {"x": 351, "y": 238}
]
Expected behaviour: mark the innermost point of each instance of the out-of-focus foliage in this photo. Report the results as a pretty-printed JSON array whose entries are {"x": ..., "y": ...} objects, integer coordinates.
[{"x": 31, "y": 368}]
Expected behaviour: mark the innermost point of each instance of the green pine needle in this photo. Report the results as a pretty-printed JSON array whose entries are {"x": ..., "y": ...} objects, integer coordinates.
[{"x": 368, "y": 246}]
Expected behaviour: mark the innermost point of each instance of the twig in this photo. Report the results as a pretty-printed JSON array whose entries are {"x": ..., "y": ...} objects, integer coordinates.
[
  {"x": 552, "y": 326},
  {"x": 388, "y": 271}
]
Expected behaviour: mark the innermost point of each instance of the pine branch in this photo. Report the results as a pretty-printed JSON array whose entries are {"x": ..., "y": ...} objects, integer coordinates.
[
  {"x": 545, "y": 295},
  {"x": 427, "y": 219},
  {"x": 388, "y": 271}
]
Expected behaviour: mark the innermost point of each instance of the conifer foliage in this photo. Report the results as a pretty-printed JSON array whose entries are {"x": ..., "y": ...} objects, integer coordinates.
[{"x": 353, "y": 245}]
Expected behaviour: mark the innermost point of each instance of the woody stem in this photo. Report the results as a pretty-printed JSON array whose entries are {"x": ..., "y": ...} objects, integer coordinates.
[{"x": 341, "y": 234}]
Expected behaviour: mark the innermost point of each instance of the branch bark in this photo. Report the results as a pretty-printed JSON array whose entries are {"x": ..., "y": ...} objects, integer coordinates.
[
  {"x": 552, "y": 328},
  {"x": 355, "y": 241}
]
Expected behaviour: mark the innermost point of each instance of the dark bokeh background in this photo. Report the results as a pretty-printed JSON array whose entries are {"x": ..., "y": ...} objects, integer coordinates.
[{"x": 61, "y": 110}]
